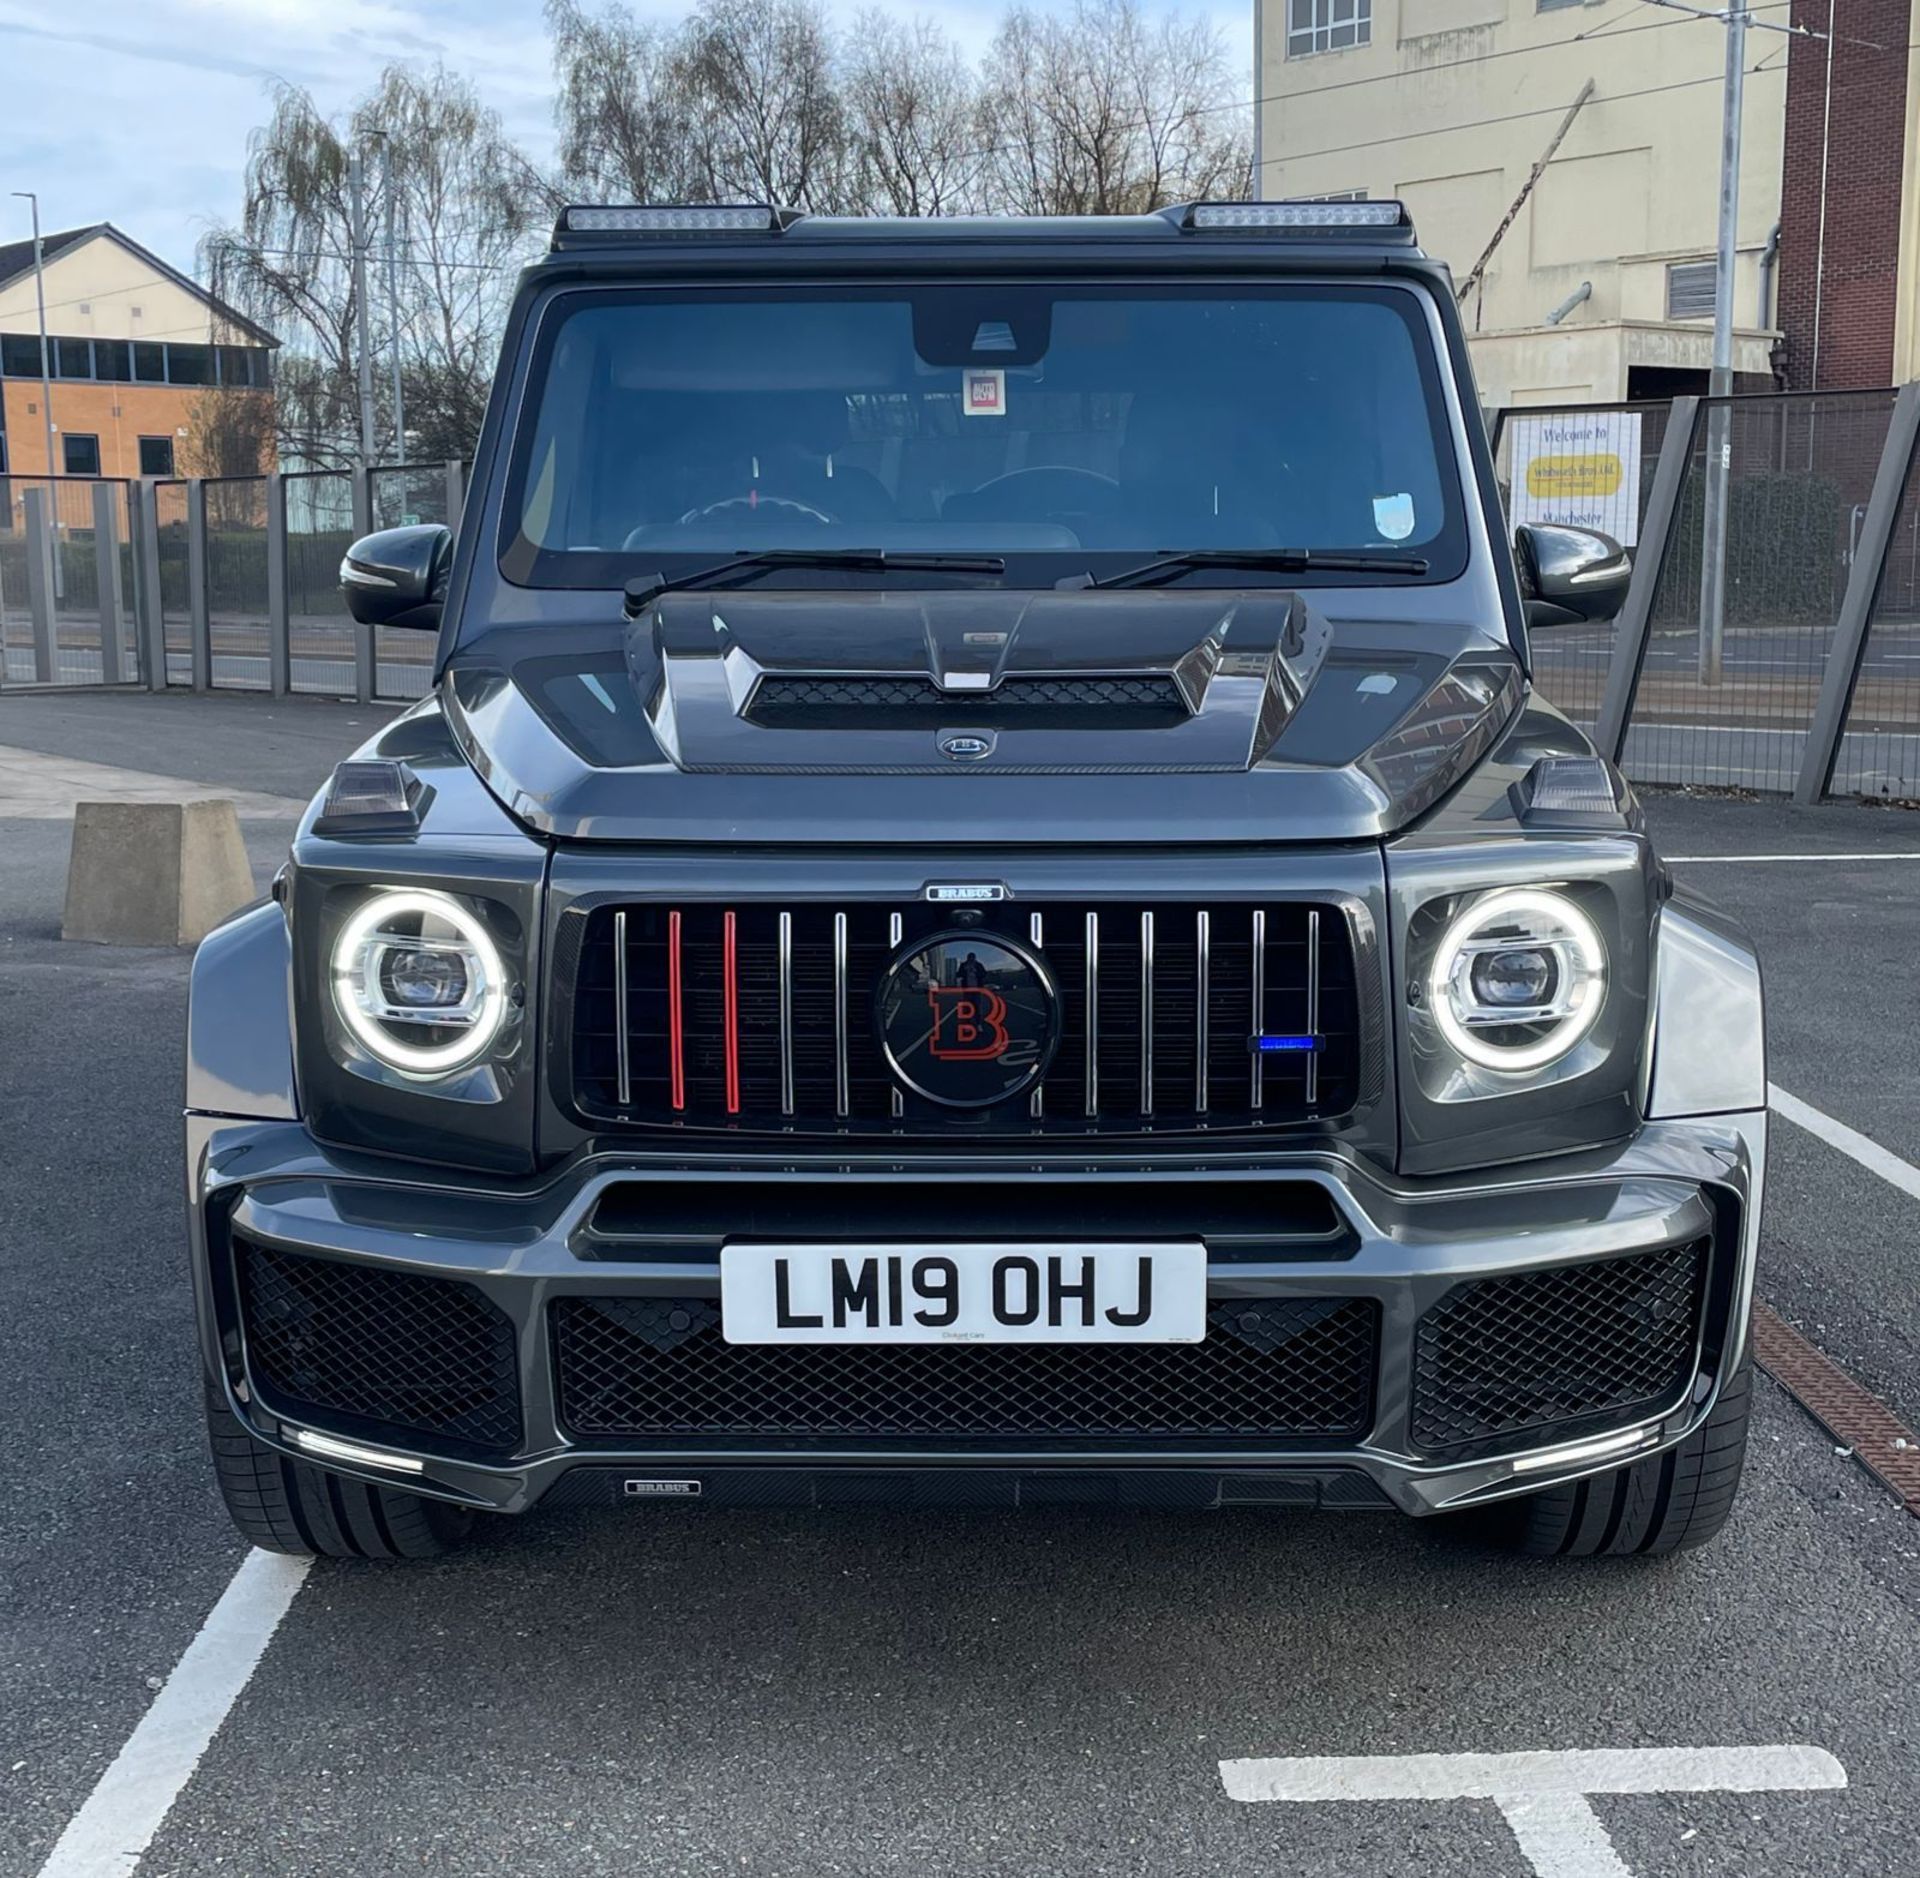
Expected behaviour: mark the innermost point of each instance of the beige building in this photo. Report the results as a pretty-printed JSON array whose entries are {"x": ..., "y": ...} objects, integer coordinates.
[
  {"x": 151, "y": 375},
  {"x": 1602, "y": 287}
]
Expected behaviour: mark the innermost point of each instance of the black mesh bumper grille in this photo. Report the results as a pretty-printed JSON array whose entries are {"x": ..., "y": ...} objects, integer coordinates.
[
  {"x": 378, "y": 1352},
  {"x": 1557, "y": 1350},
  {"x": 1277, "y": 1370}
]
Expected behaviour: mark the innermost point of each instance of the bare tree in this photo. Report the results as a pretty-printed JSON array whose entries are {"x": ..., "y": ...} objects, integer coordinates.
[
  {"x": 465, "y": 205},
  {"x": 765, "y": 122},
  {"x": 913, "y": 119},
  {"x": 616, "y": 108},
  {"x": 1101, "y": 112}
]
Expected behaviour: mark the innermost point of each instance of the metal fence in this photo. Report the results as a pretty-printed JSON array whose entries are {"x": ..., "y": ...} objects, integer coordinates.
[
  {"x": 1802, "y": 674},
  {"x": 1803, "y": 677},
  {"x": 223, "y": 583}
]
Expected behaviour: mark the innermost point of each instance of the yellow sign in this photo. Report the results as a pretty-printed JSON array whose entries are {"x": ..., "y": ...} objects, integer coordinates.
[{"x": 1555, "y": 478}]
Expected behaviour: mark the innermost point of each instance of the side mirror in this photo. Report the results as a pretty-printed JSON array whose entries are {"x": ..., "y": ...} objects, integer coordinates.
[
  {"x": 1570, "y": 576},
  {"x": 398, "y": 577}
]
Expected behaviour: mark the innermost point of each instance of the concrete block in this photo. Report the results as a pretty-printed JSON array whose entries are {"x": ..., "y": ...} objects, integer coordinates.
[{"x": 154, "y": 873}]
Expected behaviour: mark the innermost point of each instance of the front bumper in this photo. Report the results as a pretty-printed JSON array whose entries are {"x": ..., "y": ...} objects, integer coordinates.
[{"x": 1405, "y": 1245}]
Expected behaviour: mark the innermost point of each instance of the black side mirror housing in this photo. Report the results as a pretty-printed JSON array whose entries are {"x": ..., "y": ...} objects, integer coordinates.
[
  {"x": 398, "y": 577},
  {"x": 1570, "y": 576}
]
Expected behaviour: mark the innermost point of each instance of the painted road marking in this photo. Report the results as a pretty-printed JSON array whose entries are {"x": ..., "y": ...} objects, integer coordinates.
[
  {"x": 1750, "y": 860},
  {"x": 131, "y": 1800},
  {"x": 1543, "y": 1796},
  {"x": 1850, "y": 1141}
]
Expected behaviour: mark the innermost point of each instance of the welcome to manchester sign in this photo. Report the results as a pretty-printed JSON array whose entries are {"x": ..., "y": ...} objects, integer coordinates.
[{"x": 1581, "y": 470}]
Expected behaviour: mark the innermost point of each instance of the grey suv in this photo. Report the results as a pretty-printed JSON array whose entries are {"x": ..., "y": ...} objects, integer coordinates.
[{"x": 981, "y": 912}]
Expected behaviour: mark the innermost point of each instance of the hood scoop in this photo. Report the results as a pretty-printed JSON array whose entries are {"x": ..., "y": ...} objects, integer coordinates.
[{"x": 1008, "y": 683}]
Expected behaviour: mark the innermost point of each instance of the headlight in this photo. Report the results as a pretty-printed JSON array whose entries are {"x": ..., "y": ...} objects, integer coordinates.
[
  {"x": 1518, "y": 979},
  {"x": 419, "y": 982}
]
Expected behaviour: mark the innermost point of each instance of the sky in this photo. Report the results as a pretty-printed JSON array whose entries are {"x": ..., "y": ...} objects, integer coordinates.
[{"x": 137, "y": 112}]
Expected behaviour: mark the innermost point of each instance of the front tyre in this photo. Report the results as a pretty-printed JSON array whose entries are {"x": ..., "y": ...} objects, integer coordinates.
[
  {"x": 1670, "y": 1502},
  {"x": 284, "y": 1505}
]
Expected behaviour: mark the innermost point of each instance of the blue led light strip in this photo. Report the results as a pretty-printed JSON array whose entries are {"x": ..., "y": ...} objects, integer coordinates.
[{"x": 1264, "y": 1044}]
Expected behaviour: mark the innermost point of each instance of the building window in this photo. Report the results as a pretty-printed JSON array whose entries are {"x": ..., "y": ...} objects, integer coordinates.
[
  {"x": 1336, "y": 195},
  {"x": 189, "y": 365},
  {"x": 111, "y": 362},
  {"x": 79, "y": 454},
  {"x": 156, "y": 456},
  {"x": 1327, "y": 25},
  {"x": 72, "y": 358},
  {"x": 1690, "y": 290},
  {"x": 19, "y": 355},
  {"x": 149, "y": 362},
  {"x": 1550, "y": 6}
]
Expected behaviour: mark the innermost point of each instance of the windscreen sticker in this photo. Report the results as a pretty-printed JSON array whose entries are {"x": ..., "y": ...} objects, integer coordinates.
[
  {"x": 984, "y": 394},
  {"x": 1393, "y": 516}
]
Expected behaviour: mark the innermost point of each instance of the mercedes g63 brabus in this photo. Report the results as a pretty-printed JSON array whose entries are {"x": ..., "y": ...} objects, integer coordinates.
[{"x": 981, "y": 912}]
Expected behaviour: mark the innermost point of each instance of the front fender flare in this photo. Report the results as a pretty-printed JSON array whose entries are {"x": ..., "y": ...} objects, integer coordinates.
[
  {"x": 240, "y": 1019},
  {"x": 1709, "y": 1032}
]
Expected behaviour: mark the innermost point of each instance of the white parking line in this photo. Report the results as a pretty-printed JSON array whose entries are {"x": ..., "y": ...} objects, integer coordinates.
[
  {"x": 131, "y": 1800},
  {"x": 1750, "y": 860},
  {"x": 1850, "y": 1141},
  {"x": 1542, "y": 1795}
]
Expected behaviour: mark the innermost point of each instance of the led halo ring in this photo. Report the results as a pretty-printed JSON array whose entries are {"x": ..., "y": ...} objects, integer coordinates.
[
  {"x": 1578, "y": 932},
  {"x": 417, "y": 1059}
]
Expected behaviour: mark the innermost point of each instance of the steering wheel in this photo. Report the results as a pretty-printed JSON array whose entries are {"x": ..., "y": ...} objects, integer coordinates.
[
  {"x": 786, "y": 509},
  {"x": 1055, "y": 492}
]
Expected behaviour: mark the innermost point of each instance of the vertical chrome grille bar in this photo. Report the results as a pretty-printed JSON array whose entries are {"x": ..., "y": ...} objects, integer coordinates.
[
  {"x": 1259, "y": 998},
  {"x": 1313, "y": 1006},
  {"x": 786, "y": 1013},
  {"x": 622, "y": 1043},
  {"x": 896, "y": 927},
  {"x": 1093, "y": 1015},
  {"x": 1036, "y": 931},
  {"x": 1202, "y": 990},
  {"x": 1146, "y": 1013},
  {"x": 840, "y": 1014}
]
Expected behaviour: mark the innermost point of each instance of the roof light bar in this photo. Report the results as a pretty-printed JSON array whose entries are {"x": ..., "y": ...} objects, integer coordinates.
[
  {"x": 1296, "y": 215},
  {"x": 705, "y": 219}
]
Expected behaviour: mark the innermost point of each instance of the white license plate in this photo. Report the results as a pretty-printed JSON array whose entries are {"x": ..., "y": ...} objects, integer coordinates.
[{"x": 964, "y": 1294}]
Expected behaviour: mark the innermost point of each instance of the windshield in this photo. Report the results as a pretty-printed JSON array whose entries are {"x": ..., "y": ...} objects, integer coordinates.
[{"x": 1071, "y": 429}]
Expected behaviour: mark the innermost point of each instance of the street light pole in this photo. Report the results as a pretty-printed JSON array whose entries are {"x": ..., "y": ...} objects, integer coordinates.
[
  {"x": 1713, "y": 534},
  {"x": 357, "y": 239},
  {"x": 46, "y": 384},
  {"x": 393, "y": 303}
]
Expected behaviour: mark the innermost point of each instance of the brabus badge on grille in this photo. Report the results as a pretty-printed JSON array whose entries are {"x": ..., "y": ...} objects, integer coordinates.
[
  {"x": 967, "y": 746},
  {"x": 967, "y": 1019},
  {"x": 966, "y": 892}
]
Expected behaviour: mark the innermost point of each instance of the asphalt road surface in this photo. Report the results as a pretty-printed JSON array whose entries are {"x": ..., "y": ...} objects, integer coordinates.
[{"x": 675, "y": 1691}]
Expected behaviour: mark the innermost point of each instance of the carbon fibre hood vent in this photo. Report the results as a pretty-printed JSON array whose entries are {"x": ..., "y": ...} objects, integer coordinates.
[{"x": 1044, "y": 684}]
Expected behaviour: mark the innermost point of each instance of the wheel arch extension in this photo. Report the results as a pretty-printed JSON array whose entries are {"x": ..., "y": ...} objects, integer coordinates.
[{"x": 240, "y": 1019}]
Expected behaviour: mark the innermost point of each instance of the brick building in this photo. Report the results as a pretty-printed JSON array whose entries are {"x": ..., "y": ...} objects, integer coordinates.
[
  {"x": 151, "y": 375},
  {"x": 1850, "y": 201}
]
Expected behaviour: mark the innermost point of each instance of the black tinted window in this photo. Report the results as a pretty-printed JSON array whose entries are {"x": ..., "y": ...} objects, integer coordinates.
[{"x": 1062, "y": 427}]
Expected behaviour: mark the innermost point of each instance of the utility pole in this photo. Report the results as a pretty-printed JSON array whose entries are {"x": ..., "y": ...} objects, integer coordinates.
[
  {"x": 1713, "y": 537},
  {"x": 46, "y": 386},
  {"x": 1259, "y": 189},
  {"x": 357, "y": 240},
  {"x": 393, "y": 304}
]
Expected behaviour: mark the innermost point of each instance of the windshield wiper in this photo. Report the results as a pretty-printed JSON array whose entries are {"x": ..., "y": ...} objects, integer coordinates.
[
  {"x": 644, "y": 589},
  {"x": 1279, "y": 560}
]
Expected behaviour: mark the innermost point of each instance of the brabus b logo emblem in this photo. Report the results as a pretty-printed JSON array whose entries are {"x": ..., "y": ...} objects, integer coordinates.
[
  {"x": 968, "y": 1025},
  {"x": 967, "y": 1019}
]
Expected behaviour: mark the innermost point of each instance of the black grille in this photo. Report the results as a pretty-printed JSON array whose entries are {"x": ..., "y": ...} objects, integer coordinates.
[
  {"x": 1306, "y": 988},
  {"x": 1557, "y": 1349},
  {"x": 1031, "y": 702},
  {"x": 1275, "y": 1370},
  {"x": 378, "y": 1352}
]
